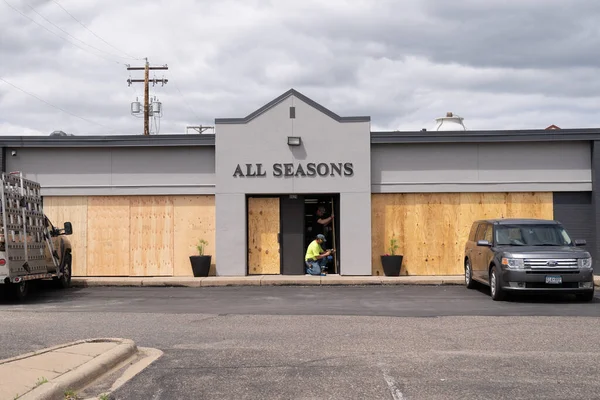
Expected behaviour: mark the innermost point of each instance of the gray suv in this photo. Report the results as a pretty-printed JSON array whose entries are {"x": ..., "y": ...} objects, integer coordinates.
[{"x": 527, "y": 255}]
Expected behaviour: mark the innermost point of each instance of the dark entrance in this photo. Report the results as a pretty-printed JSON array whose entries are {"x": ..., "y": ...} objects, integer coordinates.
[
  {"x": 298, "y": 217},
  {"x": 292, "y": 235},
  {"x": 575, "y": 211},
  {"x": 311, "y": 205}
]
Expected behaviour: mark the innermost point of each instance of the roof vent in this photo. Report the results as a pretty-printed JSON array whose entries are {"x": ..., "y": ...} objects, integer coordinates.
[{"x": 450, "y": 122}]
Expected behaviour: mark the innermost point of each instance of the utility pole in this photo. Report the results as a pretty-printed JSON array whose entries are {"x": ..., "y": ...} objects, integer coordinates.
[{"x": 146, "y": 81}]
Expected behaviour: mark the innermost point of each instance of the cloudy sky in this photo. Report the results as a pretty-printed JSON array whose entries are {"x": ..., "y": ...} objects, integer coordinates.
[{"x": 500, "y": 64}]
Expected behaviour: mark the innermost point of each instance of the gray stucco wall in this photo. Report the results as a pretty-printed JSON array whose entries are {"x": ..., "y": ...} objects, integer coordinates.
[
  {"x": 230, "y": 234},
  {"x": 264, "y": 140},
  {"x": 484, "y": 167},
  {"x": 118, "y": 171}
]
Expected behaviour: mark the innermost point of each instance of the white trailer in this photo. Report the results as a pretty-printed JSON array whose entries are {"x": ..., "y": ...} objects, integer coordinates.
[{"x": 31, "y": 248}]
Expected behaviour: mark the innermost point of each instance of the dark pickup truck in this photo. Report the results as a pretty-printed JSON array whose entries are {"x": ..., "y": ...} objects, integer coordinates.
[{"x": 527, "y": 255}]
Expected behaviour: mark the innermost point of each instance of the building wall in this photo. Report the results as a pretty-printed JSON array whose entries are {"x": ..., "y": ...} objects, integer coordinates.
[
  {"x": 576, "y": 212},
  {"x": 431, "y": 228},
  {"x": 483, "y": 167},
  {"x": 139, "y": 211},
  {"x": 118, "y": 171},
  {"x": 136, "y": 211},
  {"x": 135, "y": 235},
  {"x": 263, "y": 140}
]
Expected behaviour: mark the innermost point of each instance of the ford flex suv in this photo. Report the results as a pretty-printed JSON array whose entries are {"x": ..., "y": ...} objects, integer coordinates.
[{"x": 527, "y": 255}]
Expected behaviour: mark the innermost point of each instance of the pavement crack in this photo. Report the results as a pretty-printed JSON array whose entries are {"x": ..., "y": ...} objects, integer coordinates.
[
  {"x": 320, "y": 359},
  {"x": 393, "y": 386}
]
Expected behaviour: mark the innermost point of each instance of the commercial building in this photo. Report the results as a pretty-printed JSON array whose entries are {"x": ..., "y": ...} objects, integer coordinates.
[{"x": 139, "y": 204}]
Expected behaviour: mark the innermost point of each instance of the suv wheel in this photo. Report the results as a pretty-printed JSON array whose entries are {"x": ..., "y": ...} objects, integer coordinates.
[
  {"x": 495, "y": 289},
  {"x": 469, "y": 275},
  {"x": 589, "y": 296}
]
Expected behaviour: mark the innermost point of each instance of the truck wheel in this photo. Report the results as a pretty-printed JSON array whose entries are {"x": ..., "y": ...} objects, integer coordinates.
[
  {"x": 495, "y": 289},
  {"x": 65, "y": 280},
  {"x": 20, "y": 290}
]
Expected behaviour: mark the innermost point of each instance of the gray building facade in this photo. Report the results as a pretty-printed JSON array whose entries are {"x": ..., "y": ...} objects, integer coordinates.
[
  {"x": 294, "y": 148},
  {"x": 332, "y": 156}
]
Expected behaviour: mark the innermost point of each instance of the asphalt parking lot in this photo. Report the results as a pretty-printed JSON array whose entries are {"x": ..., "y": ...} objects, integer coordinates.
[{"x": 396, "y": 342}]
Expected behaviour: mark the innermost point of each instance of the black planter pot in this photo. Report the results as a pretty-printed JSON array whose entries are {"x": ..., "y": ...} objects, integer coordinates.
[
  {"x": 391, "y": 265},
  {"x": 200, "y": 265}
]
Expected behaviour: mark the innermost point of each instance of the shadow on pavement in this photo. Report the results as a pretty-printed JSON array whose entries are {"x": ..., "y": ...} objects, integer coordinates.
[
  {"x": 41, "y": 292},
  {"x": 537, "y": 298}
]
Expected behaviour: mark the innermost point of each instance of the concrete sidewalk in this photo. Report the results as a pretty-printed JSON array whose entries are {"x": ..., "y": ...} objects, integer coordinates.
[
  {"x": 52, "y": 372},
  {"x": 266, "y": 280},
  {"x": 271, "y": 280}
]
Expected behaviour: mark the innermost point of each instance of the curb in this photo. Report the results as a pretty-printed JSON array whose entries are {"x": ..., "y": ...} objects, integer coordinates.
[
  {"x": 272, "y": 280},
  {"x": 267, "y": 280},
  {"x": 82, "y": 375}
]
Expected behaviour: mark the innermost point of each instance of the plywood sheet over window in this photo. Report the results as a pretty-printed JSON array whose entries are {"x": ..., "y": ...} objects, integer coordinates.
[
  {"x": 135, "y": 235},
  {"x": 263, "y": 236},
  {"x": 431, "y": 228},
  {"x": 108, "y": 236},
  {"x": 194, "y": 219},
  {"x": 74, "y": 210},
  {"x": 151, "y": 235}
]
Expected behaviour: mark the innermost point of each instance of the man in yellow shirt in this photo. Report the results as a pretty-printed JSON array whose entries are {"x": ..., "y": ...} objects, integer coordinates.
[{"x": 316, "y": 258}]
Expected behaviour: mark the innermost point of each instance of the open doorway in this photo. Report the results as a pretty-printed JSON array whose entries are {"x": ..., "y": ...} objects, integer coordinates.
[
  {"x": 327, "y": 203},
  {"x": 297, "y": 228}
]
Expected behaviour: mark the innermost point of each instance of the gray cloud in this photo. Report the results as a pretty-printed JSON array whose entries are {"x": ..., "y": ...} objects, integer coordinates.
[{"x": 499, "y": 64}]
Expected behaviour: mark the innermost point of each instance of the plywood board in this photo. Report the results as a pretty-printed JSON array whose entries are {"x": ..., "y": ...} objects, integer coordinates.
[
  {"x": 151, "y": 236},
  {"x": 263, "y": 234},
  {"x": 194, "y": 219},
  {"x": 432, "y": 228},
  {"x": 61, "y": 209},
  {"x": 108, "y": 236}
]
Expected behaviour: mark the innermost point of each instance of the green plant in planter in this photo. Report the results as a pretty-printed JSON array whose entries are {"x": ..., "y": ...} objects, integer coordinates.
[
  {"x": 201, "y": 262},
  {"x": 392, "y": 262},
  {"x": 201, "y": 245},
  {"x": 393, "y": 246}
]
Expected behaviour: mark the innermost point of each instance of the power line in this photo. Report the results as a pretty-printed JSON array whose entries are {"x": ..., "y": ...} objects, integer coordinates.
[
  {"x": 57, "y": 107},
  {"x": 79, "y": 40},
  {"x": 54, "y": 33},
  {"x": 93, "y": 33},
  {"x": 185, "y": 101}
]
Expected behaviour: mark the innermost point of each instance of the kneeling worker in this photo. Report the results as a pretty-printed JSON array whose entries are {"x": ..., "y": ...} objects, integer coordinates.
[{"x": 316, "y": 259}]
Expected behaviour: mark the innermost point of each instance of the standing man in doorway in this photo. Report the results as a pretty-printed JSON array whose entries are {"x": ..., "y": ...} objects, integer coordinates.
[
  {"x": 316, "y": 259},
  {"x": 323, "y": 224}
]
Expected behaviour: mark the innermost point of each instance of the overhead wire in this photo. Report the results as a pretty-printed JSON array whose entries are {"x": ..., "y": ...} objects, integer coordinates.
[
  {"x": 185, "y": 101},
  {"x": 78, "y": 46},
  {"x": 56, "y": 34},
  {"x": 93, "y": 33},
  {"x": 54, "y": 106},
  {"x": 79, "y": 40}
]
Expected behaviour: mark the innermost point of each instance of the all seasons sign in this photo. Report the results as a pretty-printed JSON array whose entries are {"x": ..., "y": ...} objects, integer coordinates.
[{"x": 295, "y": 170}]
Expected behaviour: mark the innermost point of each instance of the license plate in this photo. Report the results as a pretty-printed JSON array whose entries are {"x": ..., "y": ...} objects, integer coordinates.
[{"x": 556, "y": 280}]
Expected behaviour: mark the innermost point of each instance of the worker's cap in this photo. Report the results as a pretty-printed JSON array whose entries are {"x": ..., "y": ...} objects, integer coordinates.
[{"x": 322, "y": 237}]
